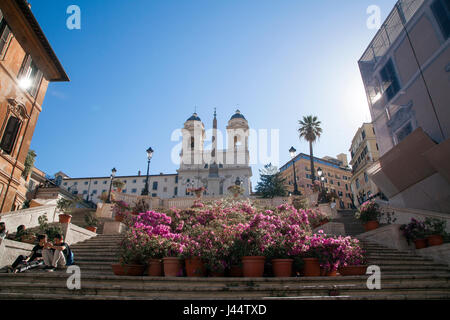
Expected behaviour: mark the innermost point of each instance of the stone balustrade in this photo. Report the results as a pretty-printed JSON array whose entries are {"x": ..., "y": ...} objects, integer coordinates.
[
  {"x": 404, "y": 215},
  {"x": 29, "y": 217}
]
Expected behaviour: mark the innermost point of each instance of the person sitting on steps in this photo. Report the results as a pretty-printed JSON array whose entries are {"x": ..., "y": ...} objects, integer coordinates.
[
  {"x": 23, "y": 263},
  {"x": 55, "y": 255}
]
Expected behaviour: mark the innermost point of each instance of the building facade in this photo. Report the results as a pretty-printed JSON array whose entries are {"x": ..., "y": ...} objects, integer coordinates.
[
  {"x": 364, "y": 152},
  {"x": 406, "y": 74},
  {"x": 27, "y": 65},
  {"x": 337, "y": 176},
  {"x": 214, "y": 169}
]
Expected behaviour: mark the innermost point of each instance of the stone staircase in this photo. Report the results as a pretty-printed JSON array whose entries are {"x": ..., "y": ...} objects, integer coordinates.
[
  {"x": 403, "y": 276},
  {"x": 352, "y": 226}
]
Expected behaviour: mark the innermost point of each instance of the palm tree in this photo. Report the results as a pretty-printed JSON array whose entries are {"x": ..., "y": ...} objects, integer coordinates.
[{"x": 310, "y": 130}]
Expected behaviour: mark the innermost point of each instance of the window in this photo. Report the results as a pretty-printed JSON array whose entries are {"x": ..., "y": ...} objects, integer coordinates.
[
  {"x": 65, "y": 183},
  {"x": 366, "y": 177},
  {"x": 95, "y": 182},
  {"x": 363, "y": 134},
  {"x": 176, "y": 179},
  {"x": 133, "y": 190},
  {"x": 441, "y": 11},
  {"x": 154, "y": 195},
  {"x": 124, "y": 191},
  {"x": 85, "y": 192},
  {"x": 346, "y": 187},
  {"x": 175, "y": 191},
  {"x": 165, "y": 189},
  {"x": 357, "y": 184},
  {"x": 94, "y": 192},
  {"x": 10, "y": 135},
  {"x": 75, "y": 183},
  {"x": 86, "y": 183},
  {"x": 404, "y": 132},
  {"x": 155, "y": 185},
  {"x": 389, "y": 79},
  {"x": 5, "y": 36},
  {"x": 30, "y": 75},
  {"x": 134, "y": 181},
  {"x": 105, "y": 182}
]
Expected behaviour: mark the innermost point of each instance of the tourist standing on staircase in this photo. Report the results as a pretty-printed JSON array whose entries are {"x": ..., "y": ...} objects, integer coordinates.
[{"x": 55, "y": 255}]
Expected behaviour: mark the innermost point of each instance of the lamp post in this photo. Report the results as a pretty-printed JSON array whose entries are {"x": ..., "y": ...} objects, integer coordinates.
[
  {"x": 292, "y": 151},
  {"x": 113, "y": 174},
  {"x": 149, "y": 157},
  {"x": 321, "y": 179}
]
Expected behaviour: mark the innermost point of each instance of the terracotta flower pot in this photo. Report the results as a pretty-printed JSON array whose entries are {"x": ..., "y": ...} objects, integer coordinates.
[
  {"x": 311, "y": 267},
  {"x": 324, "y": 273},
  {"x": 371, "y": 225},
  {"x": 353, "y": 270},
  {"x": 435, "y": 240},
  {"x": 119, "y": 218},
  {"x": 420, "y": 243},
  {"x": 282, "y": 267},
  {"x": 128, "y": 269},
  {"x": 155, "y": 268},
  {"x": 253, "y": 267},
  {"x": 236, "y": 271},
  {"x": 65, "y": 218},
  {"x": 172, "y": 267},
  {"x": 195, "y": 267},
  {"x": 92, "y": 229}
]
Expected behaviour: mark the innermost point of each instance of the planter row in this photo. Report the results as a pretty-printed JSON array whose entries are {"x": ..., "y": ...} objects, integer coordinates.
[{"x": 252, "y": 267}]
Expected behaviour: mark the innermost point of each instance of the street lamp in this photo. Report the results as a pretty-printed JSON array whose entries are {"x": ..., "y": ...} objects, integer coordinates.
[
  {"x": 292, "y": 151},
  {"x": 113, "y": 174},
  {"x": 149, "y": 157}
]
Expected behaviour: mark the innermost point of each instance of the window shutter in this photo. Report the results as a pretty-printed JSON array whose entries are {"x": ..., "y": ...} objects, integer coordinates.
[
  {"x": 1, "y": 16},
  {"x": 36, "y": 83},
  {"x": 5, "y": 32},
  {"x": 10, "y": 134},
  {"x": 24, "y": 70}
]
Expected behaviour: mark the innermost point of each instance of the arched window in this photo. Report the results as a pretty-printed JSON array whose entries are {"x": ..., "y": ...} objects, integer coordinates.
[
  {"x": 10, "y": 135},
  {"x": 192, "y": 143}
]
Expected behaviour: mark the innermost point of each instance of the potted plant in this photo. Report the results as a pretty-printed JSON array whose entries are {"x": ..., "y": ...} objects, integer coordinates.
[
  {"x": 353, "y": 261},
  {"x": 120, "y": 210},
  {"x": 50, "y": 230},
  {"x": 369, "y": 213},
  {"x": 435, "y": 231},
  {"x": 198, "y": 191},
  {"x": 249, "y": 247},
  {"x": 415, "y": 232},
  {"x": 278, "y": 252},
  {"x": 193, "y": 255},
  {"x": 131, "y": 255},
  {"x": 118, "y": 184},
  {"x": 91, "y": 222},
  {"x": 236, "y": 190},
  {"x": 65, "y": 206},
  {"x": 153, "y": 255},
  {"x": 26, "y": 236},
  {"x": 172, "y": 260}
]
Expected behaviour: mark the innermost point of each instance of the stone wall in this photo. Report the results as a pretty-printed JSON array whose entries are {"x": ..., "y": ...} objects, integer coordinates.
[
  {"x": 10, "y": 250},
  {"x": 29, "y": 217}
]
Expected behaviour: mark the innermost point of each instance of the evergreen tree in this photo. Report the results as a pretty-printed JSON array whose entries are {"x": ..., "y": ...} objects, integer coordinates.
[{"x": 271, "y": 183}]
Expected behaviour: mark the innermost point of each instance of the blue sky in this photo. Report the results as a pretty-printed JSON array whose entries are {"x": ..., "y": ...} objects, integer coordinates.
[{"x": 138, "y": 68}]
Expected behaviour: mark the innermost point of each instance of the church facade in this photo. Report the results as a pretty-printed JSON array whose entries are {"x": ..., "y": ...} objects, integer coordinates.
[{"x": 215, "y": 170}]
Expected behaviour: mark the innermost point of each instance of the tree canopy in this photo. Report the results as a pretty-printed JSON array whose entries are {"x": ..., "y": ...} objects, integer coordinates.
[{"x": 271, "y": 183}]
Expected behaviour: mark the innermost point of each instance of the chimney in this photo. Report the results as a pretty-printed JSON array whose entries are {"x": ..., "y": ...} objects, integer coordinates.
[{"x": 139, "y": 173}]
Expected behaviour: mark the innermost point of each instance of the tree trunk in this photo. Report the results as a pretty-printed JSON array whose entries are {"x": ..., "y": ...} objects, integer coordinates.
[{"x": 313, "y": 175}]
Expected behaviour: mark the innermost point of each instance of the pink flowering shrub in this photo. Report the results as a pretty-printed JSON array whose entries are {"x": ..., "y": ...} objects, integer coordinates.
[{"x": 222, "y": 232}]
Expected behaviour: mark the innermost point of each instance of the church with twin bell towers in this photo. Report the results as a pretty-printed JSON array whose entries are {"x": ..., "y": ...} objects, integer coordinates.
[{"x": 215, "y": 169}]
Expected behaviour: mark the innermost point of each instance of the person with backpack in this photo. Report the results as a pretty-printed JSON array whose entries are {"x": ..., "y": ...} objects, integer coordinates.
[
  {"x": 57, "y": 255},
  {"x": 34, "y": 260}
]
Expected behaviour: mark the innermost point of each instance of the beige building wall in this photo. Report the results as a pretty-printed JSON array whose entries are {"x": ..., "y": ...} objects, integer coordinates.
[
  {"x": 336, "y": 178},
  {"x": 364, "y": 152}
]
